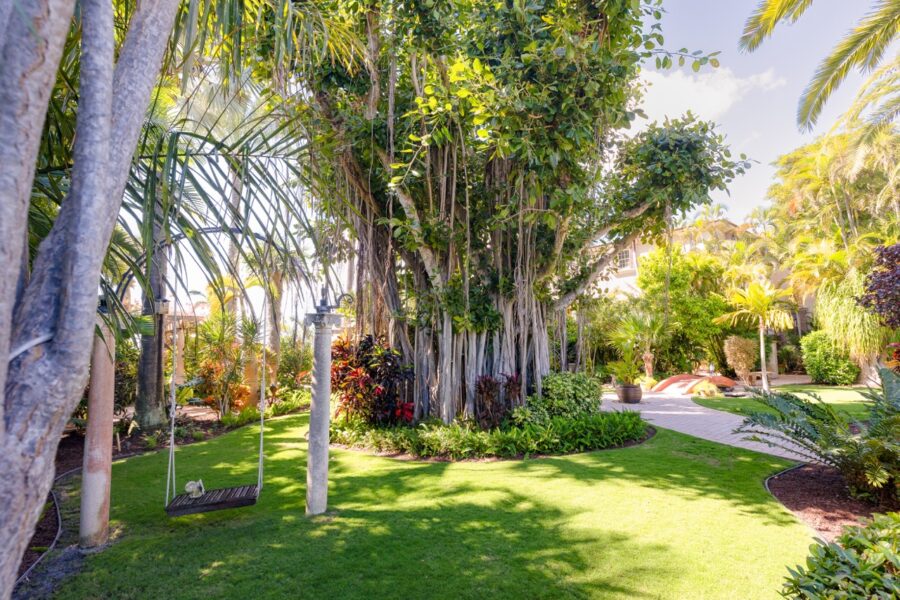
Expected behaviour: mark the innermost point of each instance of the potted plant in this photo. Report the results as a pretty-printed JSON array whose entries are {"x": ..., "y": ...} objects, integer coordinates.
[{"x": 627, "y": 372}]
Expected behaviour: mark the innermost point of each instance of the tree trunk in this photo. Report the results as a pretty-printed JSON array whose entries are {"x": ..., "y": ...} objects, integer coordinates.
[
  {"x": 52, "y": 323},
  {"x": 762, "y": 356},
  {"x": 648, "y": 359},
  {"x": 563, "y": 342},
  {"x": 96, "y": 473},
  {"x": 150, "y": 405},
  {"x": 275, "y": 306}
]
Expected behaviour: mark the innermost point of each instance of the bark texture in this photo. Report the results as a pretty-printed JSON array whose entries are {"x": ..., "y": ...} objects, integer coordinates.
[{"x": 58, "y": 305}]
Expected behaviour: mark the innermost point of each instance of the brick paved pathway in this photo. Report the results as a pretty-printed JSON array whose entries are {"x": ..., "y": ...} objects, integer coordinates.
[{"x": 681, "y": 414}]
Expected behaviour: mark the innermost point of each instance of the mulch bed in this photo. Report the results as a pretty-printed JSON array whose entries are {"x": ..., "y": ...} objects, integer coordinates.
[
  {"x": 43, "y": 536},
  {"x": 818, "y": 496}
]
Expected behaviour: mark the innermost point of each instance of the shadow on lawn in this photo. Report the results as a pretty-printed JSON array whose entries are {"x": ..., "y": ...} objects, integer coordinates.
[
  {"x": 679, "y": 464},
  {"x": 400, "y": 528}
]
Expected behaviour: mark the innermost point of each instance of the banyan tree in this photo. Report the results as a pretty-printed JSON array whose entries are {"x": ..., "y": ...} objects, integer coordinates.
[{"x": 484, "y": 165}]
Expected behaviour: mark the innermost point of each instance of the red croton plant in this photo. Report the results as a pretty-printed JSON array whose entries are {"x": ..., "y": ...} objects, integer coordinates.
[{"x": 370, "y": 380}]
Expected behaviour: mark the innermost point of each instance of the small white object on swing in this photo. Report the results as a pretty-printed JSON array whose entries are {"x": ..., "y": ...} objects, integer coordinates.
[{"x": 194, "y": 489}]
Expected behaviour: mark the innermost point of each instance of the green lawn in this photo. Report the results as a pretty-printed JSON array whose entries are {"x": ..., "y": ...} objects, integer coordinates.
[
  {"x": 676, "y": 517},
  {"x": 846, "y": 399}
]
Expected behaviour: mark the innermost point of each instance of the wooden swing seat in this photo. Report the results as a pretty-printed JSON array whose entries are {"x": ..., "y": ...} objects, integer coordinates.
[{"x": 220, "y": 499}]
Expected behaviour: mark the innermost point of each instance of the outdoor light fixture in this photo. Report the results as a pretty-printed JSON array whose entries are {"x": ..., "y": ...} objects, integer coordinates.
[
  {"x": 324, "y": 307},
  {"x": 162, "y": 306}
]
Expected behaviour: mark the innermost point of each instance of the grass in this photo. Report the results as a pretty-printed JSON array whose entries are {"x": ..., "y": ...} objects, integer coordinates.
[
  {"x": 846, "y": 399},
  {"x": 676, "y": 517}
]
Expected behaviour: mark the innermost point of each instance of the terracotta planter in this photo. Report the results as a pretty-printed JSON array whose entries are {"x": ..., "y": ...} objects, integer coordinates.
[{"x": 629, "y": 394}]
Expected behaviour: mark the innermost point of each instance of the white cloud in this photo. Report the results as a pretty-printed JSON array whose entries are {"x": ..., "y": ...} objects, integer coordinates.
[{"x": 708, "y": 95}]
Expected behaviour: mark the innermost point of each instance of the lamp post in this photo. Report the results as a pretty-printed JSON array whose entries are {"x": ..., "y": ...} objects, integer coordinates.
[{"x": 324, "y": 319}]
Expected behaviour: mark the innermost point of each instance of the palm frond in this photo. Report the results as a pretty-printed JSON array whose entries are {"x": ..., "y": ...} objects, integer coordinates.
[
  {"x": 768, "y": 14},
  {"x": 861, "y": 49}
]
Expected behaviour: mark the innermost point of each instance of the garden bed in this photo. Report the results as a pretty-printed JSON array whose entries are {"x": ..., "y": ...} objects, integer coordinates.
[
  {"x": 818, "y": 496},
  {"x": 405, "y": 456},
  {"x": 462, "y": 441}
]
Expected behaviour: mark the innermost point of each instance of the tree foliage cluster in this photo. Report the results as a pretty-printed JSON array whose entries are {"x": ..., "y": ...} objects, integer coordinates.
[{"x": 480, "y": 148}]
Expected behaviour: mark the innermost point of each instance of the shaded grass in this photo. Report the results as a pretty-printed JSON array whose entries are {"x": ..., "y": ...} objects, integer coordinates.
[
  {"x": 676, "y": 517},
  {"x": 846, "y": 399}
]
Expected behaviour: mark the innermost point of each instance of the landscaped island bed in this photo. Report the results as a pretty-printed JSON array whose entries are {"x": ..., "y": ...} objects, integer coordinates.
[{"x": 675, "y": 517}]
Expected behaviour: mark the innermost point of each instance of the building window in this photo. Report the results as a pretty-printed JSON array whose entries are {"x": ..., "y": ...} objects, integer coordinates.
[{"x": 623, "y": 260}]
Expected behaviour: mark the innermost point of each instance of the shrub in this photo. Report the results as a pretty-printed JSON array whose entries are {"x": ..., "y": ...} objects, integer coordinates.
[
  {"x": 706, "y": 389},
  {"x": 563, "y": 395},
  {"x": 295, "y": 363},
  {"x": 491, "y": 406},
  {"x": 741, "y": 354},
  {"x": 647, "y": 383},
  {"x": 790, "y": 359},
  {"x": 292, "y": 401},
  {"x": 825, "y": 361},
  {"x": 882, "y": 291},
  {"x": 864, "y": 562},
  {"x": 128, "y": 354},
  {"x": 248, "y": 415},
  {"x": 456, "y": 441},
  {"x": 626, "y": 370},
  {"x": 568, "y": 394},
  {"x": 368, "y": 378},
  {"x": 289, "y": 401},
  {"x": 866, "y": 453}
]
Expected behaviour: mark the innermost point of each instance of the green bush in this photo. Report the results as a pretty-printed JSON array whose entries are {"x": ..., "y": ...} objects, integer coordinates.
[
  {"x": 864, "y": 562},
  {"x": 559, "y": 435},
  {"x": 289, "y": 401},
  {"x": 867, "y": 453},
  {"x": 568, "y": 394},
  {"x": 295, "y": 363},
  {"x": 248, "y": 415},
  {"x": 825, "y": 362},
  {"x": 292, "y": 401}
]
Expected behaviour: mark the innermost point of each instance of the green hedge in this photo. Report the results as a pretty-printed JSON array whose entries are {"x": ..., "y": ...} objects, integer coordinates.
[
  {"x": 825, "y": 362},
  {"x": 864, "y": 562},
  {"x": 558, "y": 435},
  {"x": 565, "y": 394}
]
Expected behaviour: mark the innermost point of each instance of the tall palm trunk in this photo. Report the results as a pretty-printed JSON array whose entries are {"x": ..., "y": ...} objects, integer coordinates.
[
  {"x": 149, "y": 410},
  {"x": 762, "y": 355},
  {"x": 275, "y": 304}
]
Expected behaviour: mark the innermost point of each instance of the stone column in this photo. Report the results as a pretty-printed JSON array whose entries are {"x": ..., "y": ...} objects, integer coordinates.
[
  {"x": 96, "y": 473},
  {"x": 319, "y": 414}
]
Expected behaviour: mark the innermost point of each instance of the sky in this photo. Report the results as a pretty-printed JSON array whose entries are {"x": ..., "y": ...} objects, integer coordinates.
[{"x": 753, "y": 97}]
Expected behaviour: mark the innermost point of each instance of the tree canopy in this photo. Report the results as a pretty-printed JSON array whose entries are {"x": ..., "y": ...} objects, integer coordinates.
[{"x": 489, "y": 179}]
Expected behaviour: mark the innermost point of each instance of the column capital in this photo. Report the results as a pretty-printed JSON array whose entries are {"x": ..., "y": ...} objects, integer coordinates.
[{"x": 320, "y": 319}]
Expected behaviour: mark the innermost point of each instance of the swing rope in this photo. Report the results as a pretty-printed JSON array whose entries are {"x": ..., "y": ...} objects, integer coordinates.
[
  {"x": 171, "y": 483},
  {"x": 262, "y": 396},
  {"x": 173, "y": 405}
]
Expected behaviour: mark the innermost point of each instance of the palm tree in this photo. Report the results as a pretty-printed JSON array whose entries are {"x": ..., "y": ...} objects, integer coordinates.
[
  {"x": 765, "y": 306},
  {"x": 644, "y": 330},
  {"x": 862, "y": 48}
]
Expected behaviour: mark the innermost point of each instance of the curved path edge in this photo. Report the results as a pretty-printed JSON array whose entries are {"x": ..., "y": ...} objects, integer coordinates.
[{"x": 680, "y": 413}]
